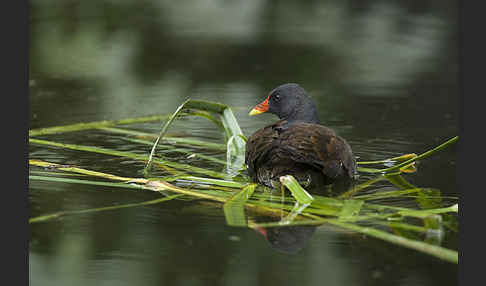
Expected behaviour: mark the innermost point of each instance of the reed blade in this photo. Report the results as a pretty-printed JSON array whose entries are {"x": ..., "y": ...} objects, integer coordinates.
[
  {"x": 93, "y": 125},
  {"x": 421, "y": 156},
  {"x": 223, "y": 183},
  {"x": 351, "y": 208},
  {"x": 235, "y": 144},
  {"x": 234, "y": 210},
  {"x": 434, "y": 250},
  {"x": 299, "y": 193},
  {"x": 164, "y": 129},
  {"x": 84, "y": 182}
]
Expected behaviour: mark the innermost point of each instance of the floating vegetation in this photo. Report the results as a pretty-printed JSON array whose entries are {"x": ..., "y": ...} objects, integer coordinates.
[{"x": 361, "y": 208}]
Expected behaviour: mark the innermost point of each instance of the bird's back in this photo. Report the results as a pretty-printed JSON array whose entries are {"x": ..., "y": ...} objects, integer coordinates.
[{"x": 282, "y": 148}]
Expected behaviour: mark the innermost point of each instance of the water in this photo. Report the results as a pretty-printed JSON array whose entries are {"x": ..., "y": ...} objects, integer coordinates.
[{"x": 384, "y": 76}]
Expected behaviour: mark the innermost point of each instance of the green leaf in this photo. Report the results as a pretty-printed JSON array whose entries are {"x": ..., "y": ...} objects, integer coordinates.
[
  {"x": 299, "y": 193},
  {"x": 350, "y": 208},
  {"x": 234, "y": 211}
]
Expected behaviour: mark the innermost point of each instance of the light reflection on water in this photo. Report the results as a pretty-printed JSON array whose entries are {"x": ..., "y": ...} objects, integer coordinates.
[{"x": 383, "y": 75}]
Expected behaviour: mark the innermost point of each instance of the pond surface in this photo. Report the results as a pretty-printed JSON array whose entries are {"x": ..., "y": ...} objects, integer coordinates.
[{"x": 384, "y": 76}]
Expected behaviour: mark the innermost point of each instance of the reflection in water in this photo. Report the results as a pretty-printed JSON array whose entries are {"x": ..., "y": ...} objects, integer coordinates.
[
  {"x": 288, "y": 239},
  {"x": 338, "y": 187}
]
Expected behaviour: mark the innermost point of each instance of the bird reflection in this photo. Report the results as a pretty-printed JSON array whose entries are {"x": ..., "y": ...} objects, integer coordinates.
[
  {"x": 288, "y": 239},
  {"x": 291, "y": 239}
]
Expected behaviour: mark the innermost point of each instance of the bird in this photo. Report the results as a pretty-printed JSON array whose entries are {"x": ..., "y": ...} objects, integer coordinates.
[{"x": 298, "y": 144}]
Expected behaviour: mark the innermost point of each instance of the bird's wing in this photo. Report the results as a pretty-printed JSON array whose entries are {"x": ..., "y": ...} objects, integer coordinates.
[
  {"x": 316, "y": 145},
  {"x": 258, "y": 147}
]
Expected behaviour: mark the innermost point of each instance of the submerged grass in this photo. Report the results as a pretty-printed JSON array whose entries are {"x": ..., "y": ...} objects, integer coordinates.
[{"x": 352, "y": 210}]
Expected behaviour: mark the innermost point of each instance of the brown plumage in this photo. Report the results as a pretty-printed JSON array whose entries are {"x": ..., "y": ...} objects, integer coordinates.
[{"x": 297, "y": 144}]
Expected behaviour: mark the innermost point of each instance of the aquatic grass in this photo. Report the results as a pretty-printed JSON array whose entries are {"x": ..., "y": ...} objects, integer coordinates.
[
  {"x": 51, "y": 173},
  {"x": 223, "y": 183},
  {"x": 397, "y": 180},
  {"x": 424, "y": 155},
  {"x": 389, "y": 194},
  {"x": 179, "y": 166},
  {"x": 93, "y": 125},
  {"x": 394, "y": 177},
  {"x": 368, "y": 170},
  {"x": 299, "y": 193},
  {"x": 84, "y": 182},
  {"x": 234, "y": 207},
  {"x": 408, "y": 168},
  {"x": 297, "y": 210},
  {"x": 426, "y": 213},
  {"x": 158, "y": 185},
  {"x": 389, "y": 160},
  {"x": 51, "y": 165},
  {"x": 349, "y": 211},
  {"x": 399, "y": 225},
  {"x": 434, "y": 250},
  {"x": 193, "y": 143},
  {"x": 190, "y": 152},
  {"x": 355, "y": 189},
  {"x": 153, "y": 185},
  {"x": 208, "y": 116},
  {"x": 233, "y": 133},
  {"x": 164, "y": 129},
  {"x": 325, "y": 206},
  {"x": 350, "y": 208}
]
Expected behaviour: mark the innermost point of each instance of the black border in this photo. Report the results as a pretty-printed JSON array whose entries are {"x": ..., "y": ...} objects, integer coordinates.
[
  {"x": 15, "y": 64},
  {"x": 469, "y": 169},
  {"x": 14, "y": 211}
]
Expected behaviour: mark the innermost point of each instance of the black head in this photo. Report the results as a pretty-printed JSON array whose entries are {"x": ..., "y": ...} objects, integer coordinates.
[{"x": 291, "y": 102}]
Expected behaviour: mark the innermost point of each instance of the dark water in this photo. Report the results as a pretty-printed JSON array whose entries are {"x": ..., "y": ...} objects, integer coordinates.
[{"x": 384, "y": 75}]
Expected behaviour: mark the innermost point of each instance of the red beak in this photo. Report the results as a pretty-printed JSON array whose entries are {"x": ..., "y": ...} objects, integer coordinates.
[{"x": 260, "y": 108}]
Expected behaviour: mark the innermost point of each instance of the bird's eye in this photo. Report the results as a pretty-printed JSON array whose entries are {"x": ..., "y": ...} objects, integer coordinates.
[{"x": 276, "y": 97}]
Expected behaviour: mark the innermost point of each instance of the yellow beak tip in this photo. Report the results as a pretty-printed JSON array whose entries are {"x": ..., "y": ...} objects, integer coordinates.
[{"x": 255, "y": 112}]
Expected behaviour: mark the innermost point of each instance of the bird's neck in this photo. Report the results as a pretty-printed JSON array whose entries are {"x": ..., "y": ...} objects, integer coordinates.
[{"x": 306, "y": 114}]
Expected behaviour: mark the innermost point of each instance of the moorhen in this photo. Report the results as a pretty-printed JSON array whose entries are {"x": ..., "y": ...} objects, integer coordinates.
[{"x": 297, "y": 144}]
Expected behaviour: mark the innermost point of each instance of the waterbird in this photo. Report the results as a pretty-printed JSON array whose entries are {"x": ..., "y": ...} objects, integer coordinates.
[{"x": 297, "y": 144}]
